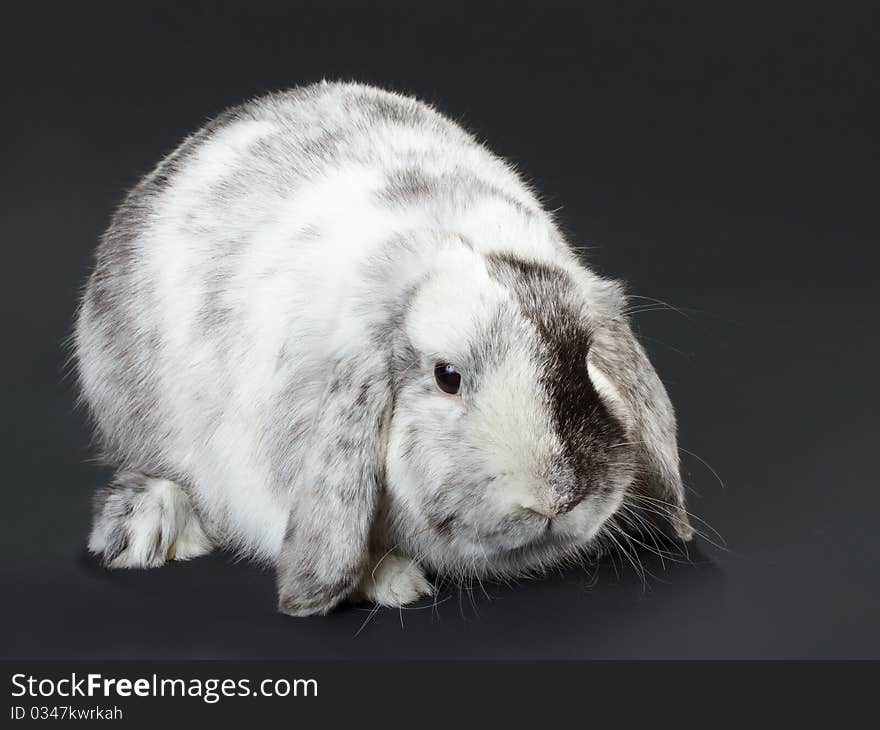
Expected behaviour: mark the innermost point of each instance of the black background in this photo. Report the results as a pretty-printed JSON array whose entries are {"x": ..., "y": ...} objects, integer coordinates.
[{"x": 721, "y": 158}]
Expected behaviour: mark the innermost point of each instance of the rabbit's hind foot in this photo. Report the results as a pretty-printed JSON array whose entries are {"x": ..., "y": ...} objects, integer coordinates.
[{"x": 142, "y": 521}]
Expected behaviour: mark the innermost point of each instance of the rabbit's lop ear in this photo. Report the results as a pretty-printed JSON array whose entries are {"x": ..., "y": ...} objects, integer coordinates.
[
  {"x": 336, "y": 490},
  {"x": 659, "y": 489}
]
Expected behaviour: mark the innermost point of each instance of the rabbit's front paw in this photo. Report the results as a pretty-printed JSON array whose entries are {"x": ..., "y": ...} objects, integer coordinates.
[{"x": 395, "y": 581}]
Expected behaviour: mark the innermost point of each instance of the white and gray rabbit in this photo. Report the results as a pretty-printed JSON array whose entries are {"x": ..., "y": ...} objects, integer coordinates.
[{"x": 333, "y": 332}]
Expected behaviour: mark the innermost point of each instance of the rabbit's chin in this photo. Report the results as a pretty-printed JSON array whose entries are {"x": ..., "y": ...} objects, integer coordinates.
[{"x": 528, "y": 559}]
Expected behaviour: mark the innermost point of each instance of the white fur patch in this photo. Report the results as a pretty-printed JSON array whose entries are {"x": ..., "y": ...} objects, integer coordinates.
[{"x": 395, "y": 581}]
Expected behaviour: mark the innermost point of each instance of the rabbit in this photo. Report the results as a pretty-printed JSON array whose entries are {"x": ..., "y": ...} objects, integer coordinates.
[{"x": 332, "y": 332}]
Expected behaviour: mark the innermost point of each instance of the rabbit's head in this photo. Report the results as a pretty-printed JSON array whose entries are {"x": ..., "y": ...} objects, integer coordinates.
[{"x": 524, "y": 411}]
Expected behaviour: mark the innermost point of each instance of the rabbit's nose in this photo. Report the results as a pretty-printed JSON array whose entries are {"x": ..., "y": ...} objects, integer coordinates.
[
  {"x": 554, "y": 507},
  {"x": 568, "y": 503}
]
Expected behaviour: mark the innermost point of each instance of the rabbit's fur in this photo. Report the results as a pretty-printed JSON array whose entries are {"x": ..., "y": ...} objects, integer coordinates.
[{"x": 257, "y": 346}]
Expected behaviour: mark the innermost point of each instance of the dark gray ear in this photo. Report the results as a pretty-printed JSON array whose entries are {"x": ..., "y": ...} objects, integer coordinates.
[
  {"x": 623, "y": 360},
  {"x": 336, "y": 491}
]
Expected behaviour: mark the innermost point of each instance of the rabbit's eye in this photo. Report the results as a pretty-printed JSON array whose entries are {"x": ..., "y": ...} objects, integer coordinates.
[{"x": 447, "y": 377}]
